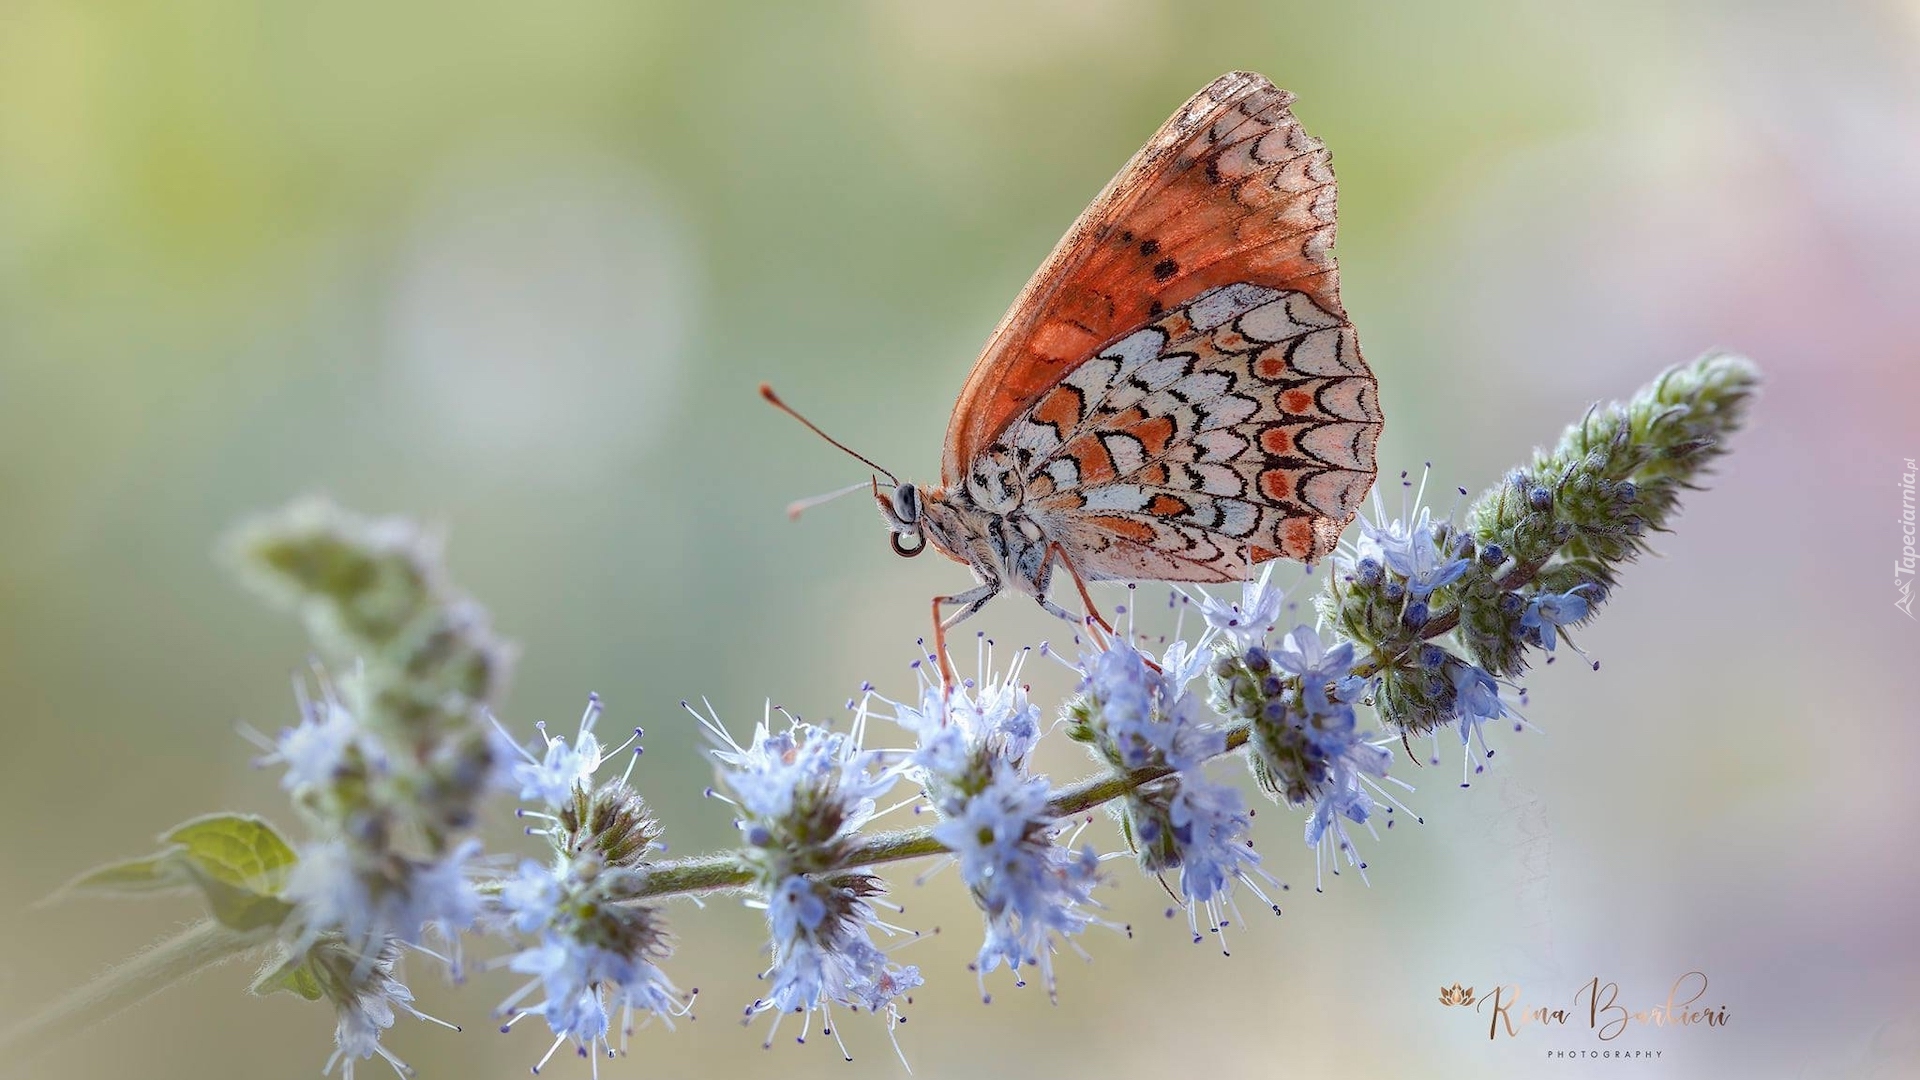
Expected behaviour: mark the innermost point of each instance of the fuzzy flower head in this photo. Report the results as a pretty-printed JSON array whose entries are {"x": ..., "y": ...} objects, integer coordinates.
[
  {"x": 595, "y": 954},
  {"x": 592, "y": 949},
  {"x": 583, "y": 816},
  {"x": 995, "y": 817},
  {"x": 965, "y": 732},
  {"x": 824, "y": 954},
  {"x": 326, "y": 746},
  {"x": 366, "y": 998},
  {"x": 802, "y": 791},
  {"x": 1138, "y": 714},
  {"x": 337, "y": 887},
  {"x": 1306, "y": 747},
  {"x": 1032, "y": 889}
]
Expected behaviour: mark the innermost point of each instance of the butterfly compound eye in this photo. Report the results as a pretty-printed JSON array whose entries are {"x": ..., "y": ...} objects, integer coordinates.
[
  {"x": 906, "y": 505},
  {"x": 905, "y": 520}
]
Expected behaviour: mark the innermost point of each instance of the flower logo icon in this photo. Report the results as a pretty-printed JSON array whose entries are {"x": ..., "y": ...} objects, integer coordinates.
[{"x": 1456, "y": 995}]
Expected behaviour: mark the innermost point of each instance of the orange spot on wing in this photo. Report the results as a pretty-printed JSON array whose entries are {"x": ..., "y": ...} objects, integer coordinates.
[
  {"x": 1061, "y": 408},
  {"x": 1277, "y": 484},
  {"x": 1126, "y": 528},
  {"x": 1064, "y": 340},
  {"x": 1297, "y": 401},
  {"x": 1296, "y": 537},
  {"x": 1164, "y": 505},
  {"x": 1276, "y": 440},
  {"x": 1153, "y": 434},
  {"x": 1256, "y": 553},
  {"x": 1096, "y": 465}
]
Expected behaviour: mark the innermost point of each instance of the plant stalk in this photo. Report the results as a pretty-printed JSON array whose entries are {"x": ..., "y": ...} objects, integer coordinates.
[{"x": 171, "y": 960}]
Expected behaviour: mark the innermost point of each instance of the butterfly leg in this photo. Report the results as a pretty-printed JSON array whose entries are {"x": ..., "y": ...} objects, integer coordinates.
[
  {"x": 970, "y": 603},
  {"x": 1058, "y": 554}
]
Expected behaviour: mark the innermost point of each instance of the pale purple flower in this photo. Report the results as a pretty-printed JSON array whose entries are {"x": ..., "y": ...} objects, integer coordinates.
[
  {"x": 598, "y": 959},
  {"x": 986, "y": 717},
  {"x": 550, "y": 776},
  {"x": 1147, "y": 717},
  {"x": 1547, "y": 612},
  {"x": 1410, "y": 548},
  {"x": 996, "y": 819},
  {"x": 1246, "y": 622},
  {"x": 764, "y": 776},
  {"x": 824, "y": 955},
  {"x": 1321, "y": 670},
  {"x": 801, "y": 793},
  {"x": 531, "y": 897},
  {"x": 1351, "y": 793},
  {"x": 595, "y": 951},
  {"x": 318, "y": 748},
  {"x": 335, "y": 887},
  {"x": 366, "y": 997},
  {"x": 1029, "y": 887},
  {"x": 1476, "y": 700},
  {"x": 1210, "y": 824}
]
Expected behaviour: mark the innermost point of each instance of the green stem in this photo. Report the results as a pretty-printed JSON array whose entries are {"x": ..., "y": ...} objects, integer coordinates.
[
  {"x": 171, "y": 960},
  {"x": 709, "y": 873}
]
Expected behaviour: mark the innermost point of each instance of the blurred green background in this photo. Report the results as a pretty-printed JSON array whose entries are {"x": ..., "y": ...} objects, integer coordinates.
[{"x": 516, "y": 270}]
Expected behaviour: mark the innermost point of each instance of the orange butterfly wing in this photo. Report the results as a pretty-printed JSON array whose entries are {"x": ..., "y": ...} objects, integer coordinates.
[
  {"x": 1231, "y": 189},
  {"x": 1230, "y": 417}
]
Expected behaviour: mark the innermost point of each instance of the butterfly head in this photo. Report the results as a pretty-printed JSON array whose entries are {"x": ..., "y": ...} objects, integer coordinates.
[{"x": 918, "y": 516}]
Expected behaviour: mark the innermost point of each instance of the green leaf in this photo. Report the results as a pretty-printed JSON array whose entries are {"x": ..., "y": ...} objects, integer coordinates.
[
  {"x": 237, "y": 862},
  {"x": 236, "y": 907},
  {"x": 293, "y": 975},
  {"x": 239, "y": 850}
]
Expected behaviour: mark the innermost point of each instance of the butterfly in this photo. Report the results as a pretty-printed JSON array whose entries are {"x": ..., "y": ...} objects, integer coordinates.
[{"x": 1176, "y": 395}]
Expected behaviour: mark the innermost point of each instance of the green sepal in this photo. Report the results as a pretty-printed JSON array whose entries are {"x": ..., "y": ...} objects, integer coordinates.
[{"x": 292, "y": 975}]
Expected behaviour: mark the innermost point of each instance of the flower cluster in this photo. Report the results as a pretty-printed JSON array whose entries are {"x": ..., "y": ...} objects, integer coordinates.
[
  {"x": 1420, "y": 629},
  {"x": 802, "y": 795},
  {"x": 1297, "y": 697},
  {"x": 1138, "y": 715},
  {"x": 591, "y": 945},
  {"x": 997, "y": 819},
  {"x": 390, "y": 762}
]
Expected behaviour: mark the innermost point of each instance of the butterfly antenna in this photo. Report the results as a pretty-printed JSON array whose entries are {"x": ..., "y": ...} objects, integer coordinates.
[
  {"x": 773, "y": 399},
  {"x": 801, "y": 506}
]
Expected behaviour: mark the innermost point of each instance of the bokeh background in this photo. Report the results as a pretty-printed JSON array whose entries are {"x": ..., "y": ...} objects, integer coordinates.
[{"x": 516, "y": 270}]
